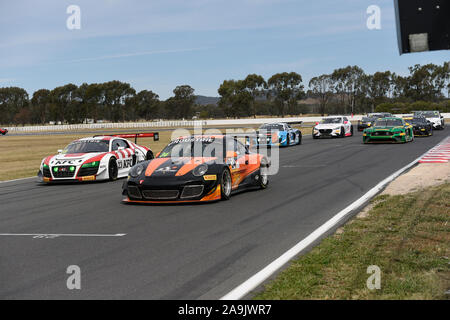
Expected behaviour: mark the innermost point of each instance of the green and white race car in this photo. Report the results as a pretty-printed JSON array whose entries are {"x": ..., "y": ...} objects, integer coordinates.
[{"x": 391, "y": 129}]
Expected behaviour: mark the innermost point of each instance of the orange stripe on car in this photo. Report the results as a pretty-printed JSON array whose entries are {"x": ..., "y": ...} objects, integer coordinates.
[
  {"x": 191, "y": 164},
  {"x": 154, "y": 164}
]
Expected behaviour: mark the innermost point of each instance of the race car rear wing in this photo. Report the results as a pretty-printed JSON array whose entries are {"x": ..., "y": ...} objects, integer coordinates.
[{"x": 154, "y": 135}]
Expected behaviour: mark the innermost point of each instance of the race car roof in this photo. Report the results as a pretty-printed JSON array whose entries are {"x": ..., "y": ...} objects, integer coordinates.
[
  {"x": 98, "y": 138},
  {"x": 215, "y": 136}
]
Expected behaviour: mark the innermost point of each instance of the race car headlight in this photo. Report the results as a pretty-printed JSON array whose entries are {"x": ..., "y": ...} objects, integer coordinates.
[
  {"x": 136, "y": 171},
  {"x": 91, "y": 164},
  {"x": 200, "y": 170}
]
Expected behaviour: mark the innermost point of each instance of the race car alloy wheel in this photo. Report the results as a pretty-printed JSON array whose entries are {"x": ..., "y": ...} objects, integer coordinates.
[
  {"x": 263, "y": 176},
  {"x": 225, "y": 184},
  {"x": 112, "y": 169}
]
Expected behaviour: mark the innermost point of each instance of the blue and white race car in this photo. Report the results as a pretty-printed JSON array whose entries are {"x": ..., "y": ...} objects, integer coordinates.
[{"x": 279, "y": 134}]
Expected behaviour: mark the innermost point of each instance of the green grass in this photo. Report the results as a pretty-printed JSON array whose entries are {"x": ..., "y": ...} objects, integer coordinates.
[{"x": 407, "y": 236}]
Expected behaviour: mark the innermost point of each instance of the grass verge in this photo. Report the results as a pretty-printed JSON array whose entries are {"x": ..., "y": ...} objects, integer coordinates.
[{"x": 407, "y": 236}]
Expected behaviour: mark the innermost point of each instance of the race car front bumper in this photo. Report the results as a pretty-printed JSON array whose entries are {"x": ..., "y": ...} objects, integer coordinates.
[
  {"x": 383, "y": 137},
  {"x": 326, "y": 133},
  {"x": 78, "y": 174},
  {"x": 171, "y": 190},
  {"x": 437, "y": 125},
  {"x": 420, "y": 132}
]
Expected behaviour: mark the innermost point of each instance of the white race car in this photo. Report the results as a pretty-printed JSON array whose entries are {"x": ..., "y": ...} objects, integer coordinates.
[
  {"x": 96, "y": 158},
  {"x": 436, "y": 119},
  {"x": 333, "y": 126}
]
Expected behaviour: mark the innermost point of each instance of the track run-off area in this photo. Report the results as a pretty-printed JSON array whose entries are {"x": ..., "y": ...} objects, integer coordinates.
[{"x": 181, "y": 251}]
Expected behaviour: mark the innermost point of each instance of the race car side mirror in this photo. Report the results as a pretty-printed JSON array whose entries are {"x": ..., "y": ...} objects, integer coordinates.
[
  {"x": 60, "y": 151},
  {"x": 157, "y": 155}
]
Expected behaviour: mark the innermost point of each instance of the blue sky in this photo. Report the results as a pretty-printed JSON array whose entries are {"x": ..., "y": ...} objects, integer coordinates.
[{"x": 157, "y": 45}]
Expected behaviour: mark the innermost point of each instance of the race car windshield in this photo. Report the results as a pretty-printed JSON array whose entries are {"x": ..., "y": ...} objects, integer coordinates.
[
  {"x": 417, "y": 120},
  {"x": 367, "y": 119},
  {"x": 428, "y": 114},
  {"x": 272, "y": 126},
  {"x": 388, "y": 123},
  {"x": 198, "y": 147},
  {"x": 331, "y": 120},
  {"x": 87, "y": 146}
]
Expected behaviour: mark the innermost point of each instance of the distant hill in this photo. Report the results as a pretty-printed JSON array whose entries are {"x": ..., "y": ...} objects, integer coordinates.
[{"x": 204, "y": 100}]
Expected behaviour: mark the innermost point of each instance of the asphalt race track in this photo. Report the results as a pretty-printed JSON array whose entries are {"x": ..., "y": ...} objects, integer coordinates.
[{"x": 181, "y": 251}]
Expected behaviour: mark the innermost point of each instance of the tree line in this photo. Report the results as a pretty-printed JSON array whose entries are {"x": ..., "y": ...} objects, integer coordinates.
[{"x": 345, "y": 90}]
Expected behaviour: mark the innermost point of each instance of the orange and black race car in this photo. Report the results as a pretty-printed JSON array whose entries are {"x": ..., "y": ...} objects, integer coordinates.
[{"x": 196, "y": 169}]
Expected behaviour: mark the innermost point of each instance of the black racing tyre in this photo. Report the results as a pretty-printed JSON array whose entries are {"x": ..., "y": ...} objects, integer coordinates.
[
  {"x": 430, "y": 133},
  {"x": 225, "y": 184},
  {"x": 288, "y": 140},
  {"x": 299, "y": 138},
  {"x": 351, "y": 131},
  {"x": 149, "y": 155},
  {"x": 113, "y": 171},
  {"x": 263, "y": 174},
  {"x": 342, "y": 135}
]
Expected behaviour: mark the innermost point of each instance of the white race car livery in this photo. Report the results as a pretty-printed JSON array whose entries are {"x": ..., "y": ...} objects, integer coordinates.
[
  {"x": 95, "y": 158},
  {"x": 435, "y": 117},
  {"x": 333, "y": 126}
]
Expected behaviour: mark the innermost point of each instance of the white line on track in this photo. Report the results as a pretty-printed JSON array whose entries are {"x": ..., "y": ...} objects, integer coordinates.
[
  {"x": 253, "y": 282},
  {"x": 57, "y": 235}
]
